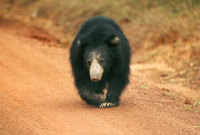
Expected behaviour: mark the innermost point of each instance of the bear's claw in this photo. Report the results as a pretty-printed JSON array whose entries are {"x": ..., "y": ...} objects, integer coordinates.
[{"x": 107, "y": 104}]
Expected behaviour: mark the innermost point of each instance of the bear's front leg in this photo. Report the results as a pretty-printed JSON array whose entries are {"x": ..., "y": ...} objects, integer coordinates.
[
  {"x": 112, "y": 99},
  {"x": 115, "y": 88}
]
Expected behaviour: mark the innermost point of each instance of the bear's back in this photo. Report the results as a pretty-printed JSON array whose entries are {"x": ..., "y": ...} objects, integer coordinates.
[{"x": 101, "y": 22}]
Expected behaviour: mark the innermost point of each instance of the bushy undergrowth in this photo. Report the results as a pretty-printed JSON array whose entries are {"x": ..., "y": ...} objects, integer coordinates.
[{"x": 158, "y": 21}]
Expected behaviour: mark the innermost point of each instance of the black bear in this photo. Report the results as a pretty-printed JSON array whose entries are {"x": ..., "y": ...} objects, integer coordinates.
[{"x": 100, "y": 58}]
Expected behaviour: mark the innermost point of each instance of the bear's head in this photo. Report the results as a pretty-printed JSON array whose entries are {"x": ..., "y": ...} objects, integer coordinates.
[{"x": 98, "y": 57}]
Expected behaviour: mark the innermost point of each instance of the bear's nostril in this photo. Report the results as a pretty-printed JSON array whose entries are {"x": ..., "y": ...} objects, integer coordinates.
[{"x": 94, "y": 79}]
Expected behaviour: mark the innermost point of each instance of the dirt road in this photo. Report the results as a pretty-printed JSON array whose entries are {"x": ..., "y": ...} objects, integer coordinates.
[{"x": 38, "y": 97}]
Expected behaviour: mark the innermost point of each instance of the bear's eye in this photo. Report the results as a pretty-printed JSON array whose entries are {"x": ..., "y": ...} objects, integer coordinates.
[{"x": 88, "y": 63}]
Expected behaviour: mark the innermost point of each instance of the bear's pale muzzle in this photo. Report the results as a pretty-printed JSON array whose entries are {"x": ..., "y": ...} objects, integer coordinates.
[{"x": 96, "y": 71}]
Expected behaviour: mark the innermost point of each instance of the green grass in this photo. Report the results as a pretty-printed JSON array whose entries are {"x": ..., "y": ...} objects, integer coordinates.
[
  {"x": 194, "y": 106},
  {"x": 144, "y": 87},
  {"x": 187, "y": 107}
]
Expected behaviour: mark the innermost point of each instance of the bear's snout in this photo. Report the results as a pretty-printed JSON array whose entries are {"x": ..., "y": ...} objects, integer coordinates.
[{"x": 96, "y": 71}]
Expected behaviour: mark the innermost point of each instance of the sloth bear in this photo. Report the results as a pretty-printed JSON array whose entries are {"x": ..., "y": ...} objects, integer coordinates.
[{"x": 100, "y": 58}]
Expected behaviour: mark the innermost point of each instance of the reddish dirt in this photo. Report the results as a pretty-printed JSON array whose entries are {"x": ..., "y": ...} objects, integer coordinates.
[{"x": 38, "y": 96}]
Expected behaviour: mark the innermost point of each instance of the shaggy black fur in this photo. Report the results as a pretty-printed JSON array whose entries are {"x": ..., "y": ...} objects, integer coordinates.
[{"x": 96, "y": 34}]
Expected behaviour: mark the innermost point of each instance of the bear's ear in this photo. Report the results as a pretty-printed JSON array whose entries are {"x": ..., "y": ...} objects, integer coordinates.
[{"x": 114, "y": 40}]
